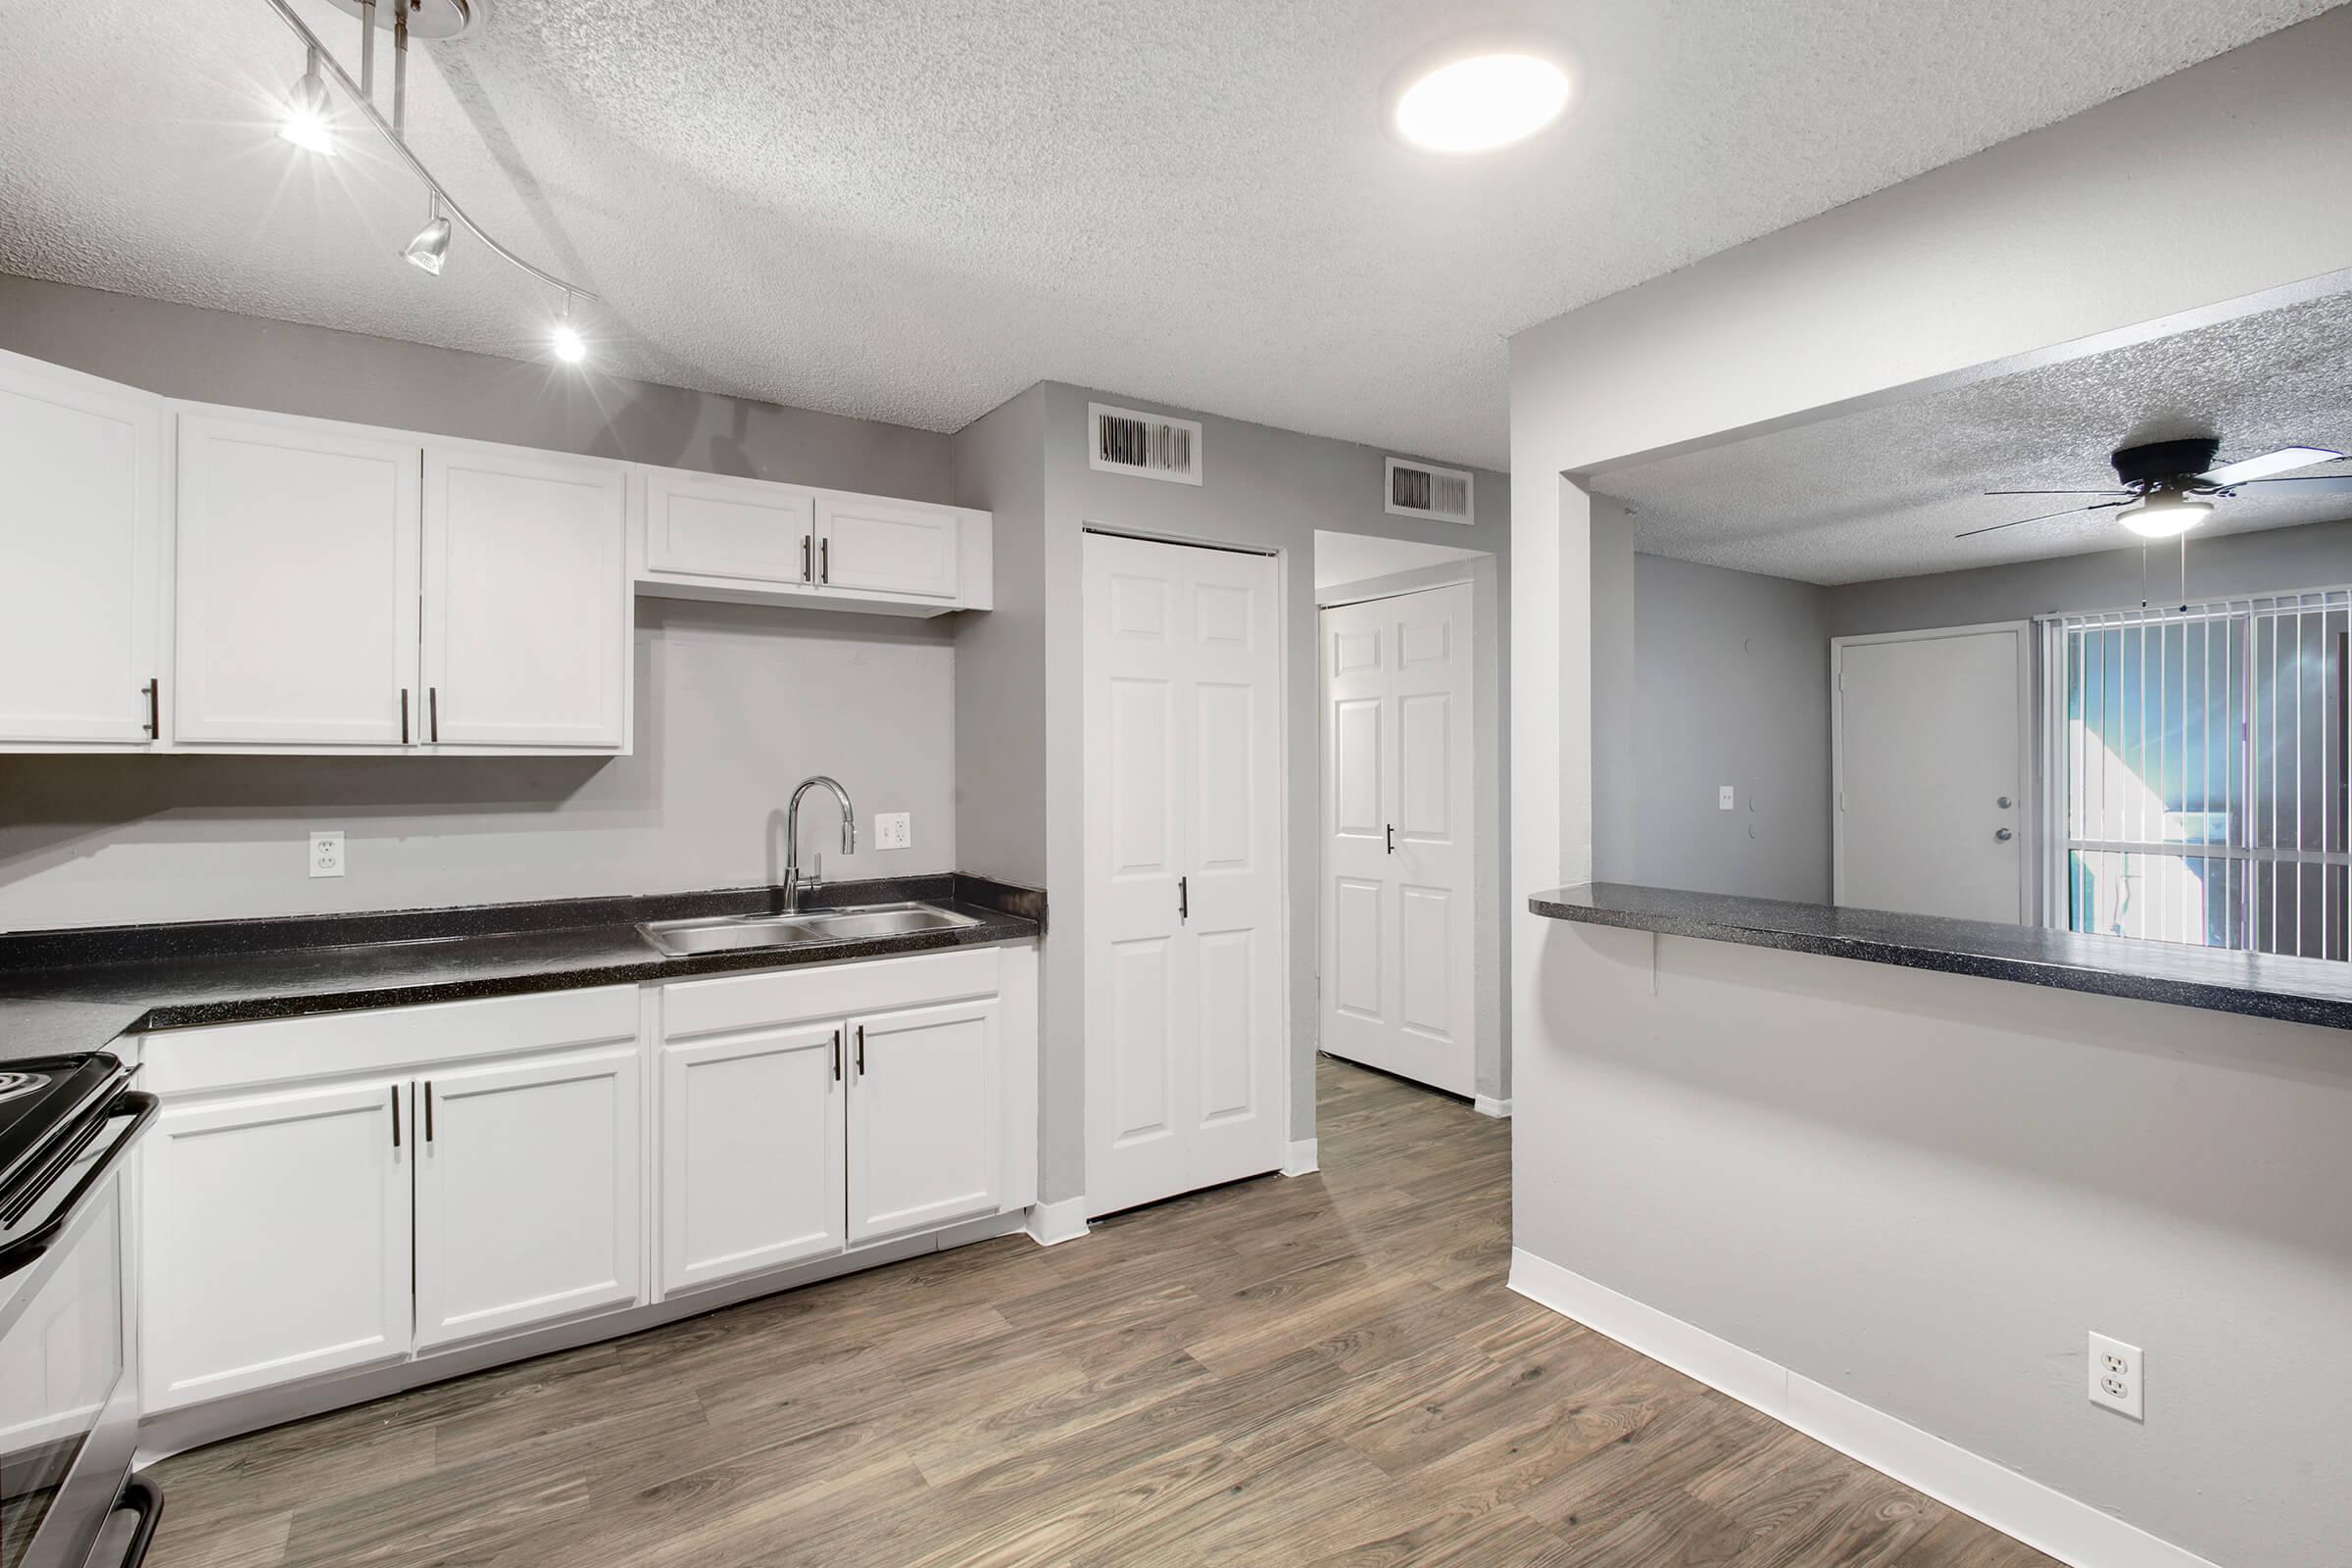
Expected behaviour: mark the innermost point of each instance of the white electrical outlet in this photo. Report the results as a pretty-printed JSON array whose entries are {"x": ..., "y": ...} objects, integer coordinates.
[
  {"x": 893, "y": 830},
  {"x": 326, "y": 855},
  {"x": 2115, "y": 1375},
  {"x": 1723, "y": 797}
]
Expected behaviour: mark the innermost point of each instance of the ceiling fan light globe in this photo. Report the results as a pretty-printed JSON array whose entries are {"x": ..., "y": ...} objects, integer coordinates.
[{"x": 2166, "y": 516}]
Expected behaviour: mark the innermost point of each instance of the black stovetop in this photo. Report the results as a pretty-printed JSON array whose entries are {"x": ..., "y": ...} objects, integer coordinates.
[{"x": 41, "y": 1098}]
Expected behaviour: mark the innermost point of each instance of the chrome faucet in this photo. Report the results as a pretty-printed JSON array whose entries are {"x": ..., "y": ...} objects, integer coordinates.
[{"x": 792, "y": 836}]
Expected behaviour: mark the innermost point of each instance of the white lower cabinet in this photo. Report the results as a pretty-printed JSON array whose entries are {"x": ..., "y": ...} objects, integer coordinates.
[
  {"x": 752, "y": 1163},
  {"x": 924, "y": 1118},
  {"x": 275, "y": 1239},
  {"x": 527, "y": 1184}
]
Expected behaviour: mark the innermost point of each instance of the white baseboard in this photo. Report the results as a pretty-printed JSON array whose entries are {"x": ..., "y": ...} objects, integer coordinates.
[
  {"x": 1489, "y": 1105},
  {"x": 1300, "y": 1158},
  {"x": 2049, "y": 1521},
  {"x": 1052, "y": 1224}
]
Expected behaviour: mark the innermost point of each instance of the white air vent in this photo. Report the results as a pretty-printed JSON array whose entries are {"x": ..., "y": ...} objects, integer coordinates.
[
  {"x": 1149, "y": 446},
  {"x": 1421, "y": 490}
]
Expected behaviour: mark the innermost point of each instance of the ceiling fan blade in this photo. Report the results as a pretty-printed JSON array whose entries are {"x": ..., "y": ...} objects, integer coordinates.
[
  {"x": 2109, "y": 491},
  {"x": 2308, "y": 484},
  {"x": 2045, "y": 517},
  {"x": 2247, "y": 470}
]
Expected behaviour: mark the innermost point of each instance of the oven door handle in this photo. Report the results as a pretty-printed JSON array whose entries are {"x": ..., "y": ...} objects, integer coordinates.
[
  {"x": 146, "y": 1500},
  {"x": 27, "y": 1248}
]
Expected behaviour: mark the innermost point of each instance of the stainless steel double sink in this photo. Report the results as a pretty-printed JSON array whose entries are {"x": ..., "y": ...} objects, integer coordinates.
[{"x": 809, "y": 927}]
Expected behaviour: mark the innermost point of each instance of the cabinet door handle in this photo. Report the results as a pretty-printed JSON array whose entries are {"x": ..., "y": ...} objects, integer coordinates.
[
  {"x": 836, "y": 1055},
  {"x": 1184, "y": 898},
  {"x": 861, "y": 1050},
  {"x": 805, "y": 573},
  {"x": 428, "y": 1110},
  {"x": 155, "y": 709},
  {"x": 1392, "y": 838},
  {"x": 825, "y": 560},
  {"x": 432, "y": 701},
  {"x": 394, "y": 1115},
  {"x": 404, "y": 716}
]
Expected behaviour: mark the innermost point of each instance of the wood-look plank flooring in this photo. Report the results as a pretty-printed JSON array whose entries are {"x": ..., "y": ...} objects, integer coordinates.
[{"x": 1322, "y": 1370}]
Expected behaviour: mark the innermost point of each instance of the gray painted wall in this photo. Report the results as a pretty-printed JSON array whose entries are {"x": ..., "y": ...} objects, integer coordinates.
[
  {"x": 2315, "y": 556},
  {"x": 1263, "y": 487},
  {"x": 1924, "y": 1191},
  {"x": 1731, "y": 682},
  {"x": 734, "y": 703}
]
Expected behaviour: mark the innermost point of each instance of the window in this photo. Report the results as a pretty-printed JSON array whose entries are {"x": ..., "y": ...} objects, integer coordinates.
[{"x": 2197, "y": 764}]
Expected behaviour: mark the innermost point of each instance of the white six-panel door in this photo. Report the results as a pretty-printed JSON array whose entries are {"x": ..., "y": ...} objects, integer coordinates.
[
  {"x": 526, "y": 602},
  {"x": 297, "y": 570},
  {"x": 82, "y": 531},
  {"x": 1184, "y": 908},
  {"x": 1398, "y": 873}
]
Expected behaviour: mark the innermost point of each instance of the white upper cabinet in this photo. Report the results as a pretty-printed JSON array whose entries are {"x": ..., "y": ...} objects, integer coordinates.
[
  {"x": 526, "y": 599},
  {"x": 710, "y": 536},
  {"x": 82, "y": 531},
  {"x": 711, "y": 525},
  {"x": 297, "y": 567},
  {"x": 888, "y": 547}
]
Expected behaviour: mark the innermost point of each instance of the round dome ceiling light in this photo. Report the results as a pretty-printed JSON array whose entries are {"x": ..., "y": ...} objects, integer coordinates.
[
  {"x": 1476, "y": 94},
  {"x": 2164, "y": 513}
]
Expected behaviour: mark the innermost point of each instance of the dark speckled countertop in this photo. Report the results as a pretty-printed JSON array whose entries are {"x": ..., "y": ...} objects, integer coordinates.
[
  {"x": 2312, "y": 991},
  {"x": 68, "y": 991}
]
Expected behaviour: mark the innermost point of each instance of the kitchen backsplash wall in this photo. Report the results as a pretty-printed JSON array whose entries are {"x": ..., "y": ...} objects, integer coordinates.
[{"x": 735, "y": 706}]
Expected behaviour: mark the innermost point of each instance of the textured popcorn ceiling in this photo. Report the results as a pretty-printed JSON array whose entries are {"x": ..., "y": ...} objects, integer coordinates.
[
  {"x": 913, "y": 211},
  {"x": 1882, "y": 493}
]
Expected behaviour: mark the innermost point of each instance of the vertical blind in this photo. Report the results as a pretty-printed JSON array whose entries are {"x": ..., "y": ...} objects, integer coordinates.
[{"x": 2197, "y": 762}]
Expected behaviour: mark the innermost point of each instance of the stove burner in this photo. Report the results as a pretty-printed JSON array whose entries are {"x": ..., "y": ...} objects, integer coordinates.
[{"x": 13, "y": 1084}]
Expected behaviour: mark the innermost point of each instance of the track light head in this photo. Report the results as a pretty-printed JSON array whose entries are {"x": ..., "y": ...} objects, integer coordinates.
[
  {"x": 431, "y": 248},
  {"x": 564, "y": 338},
  {"x": 309, "y": 122}
]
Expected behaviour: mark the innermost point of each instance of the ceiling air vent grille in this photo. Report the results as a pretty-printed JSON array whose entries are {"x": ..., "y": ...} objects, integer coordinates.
[
  {"x": 1149, "y": 446},
  {"x": 1423, "y": 490}
]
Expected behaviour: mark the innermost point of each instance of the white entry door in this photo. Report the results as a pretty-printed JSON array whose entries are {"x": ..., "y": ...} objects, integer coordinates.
[
  {"x": 1932, "y": 756},
  {"x": 1184, "y": 912},
  {"x": 1399, "y": 940}
]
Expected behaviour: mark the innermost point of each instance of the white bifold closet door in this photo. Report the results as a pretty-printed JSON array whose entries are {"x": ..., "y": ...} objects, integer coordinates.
[
  {"x": 1184, "y": 909},
  {"x": 1399, "y": 937}
]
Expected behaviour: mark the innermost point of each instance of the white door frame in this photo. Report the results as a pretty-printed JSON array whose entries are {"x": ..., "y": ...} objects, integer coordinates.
[
  {"x": 1484, "y": 754},
  {"x": 2029, "y": 797},
  {"x": 1300, "y": 1153}
]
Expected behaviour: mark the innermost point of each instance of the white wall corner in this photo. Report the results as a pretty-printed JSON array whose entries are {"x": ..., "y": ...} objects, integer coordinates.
[
  {"x": 1052, "y": 1224},
  {"x": 1299, "y": 1160},
  {"x": 1489, "y": 1105},
  {"x": 2049, "y": 1521}
]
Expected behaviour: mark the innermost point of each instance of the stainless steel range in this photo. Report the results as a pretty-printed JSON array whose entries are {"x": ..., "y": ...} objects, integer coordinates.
[{"x": 69, "y": 1406}]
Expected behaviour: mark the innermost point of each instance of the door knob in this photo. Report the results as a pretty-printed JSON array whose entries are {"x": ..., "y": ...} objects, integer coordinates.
[
  {"x": 2003, "y": 834},
  {"x": 2003, "y": 803}
]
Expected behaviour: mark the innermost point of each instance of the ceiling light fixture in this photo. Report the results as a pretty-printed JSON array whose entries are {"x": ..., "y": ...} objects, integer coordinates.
[
  {"x": 1480, "y": 93},
  {"x": 2164, "y": 513},
  {"x": 564, "y": 338},
  {"x": 308, "y": 123},
  {"x": 429, "y": 250}
]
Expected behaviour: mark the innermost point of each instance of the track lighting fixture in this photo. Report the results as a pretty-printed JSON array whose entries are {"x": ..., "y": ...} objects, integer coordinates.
[
  {"x": 431, "y": 248},
  {"x": 309, "y": 124}
]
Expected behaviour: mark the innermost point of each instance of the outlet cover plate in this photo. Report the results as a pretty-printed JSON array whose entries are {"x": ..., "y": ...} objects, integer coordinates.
[
  {"x": 2116, "y": 1376},
  {"x": 326, "y": 855},
  {"x": 893, "y": 830}
]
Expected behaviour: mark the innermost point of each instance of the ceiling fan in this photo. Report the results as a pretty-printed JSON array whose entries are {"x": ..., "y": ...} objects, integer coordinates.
[{"x": 2169, "y": 487}]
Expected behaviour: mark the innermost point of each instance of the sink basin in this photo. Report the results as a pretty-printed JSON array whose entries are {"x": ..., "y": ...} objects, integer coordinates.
[{"x": 860, "y": 922}]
